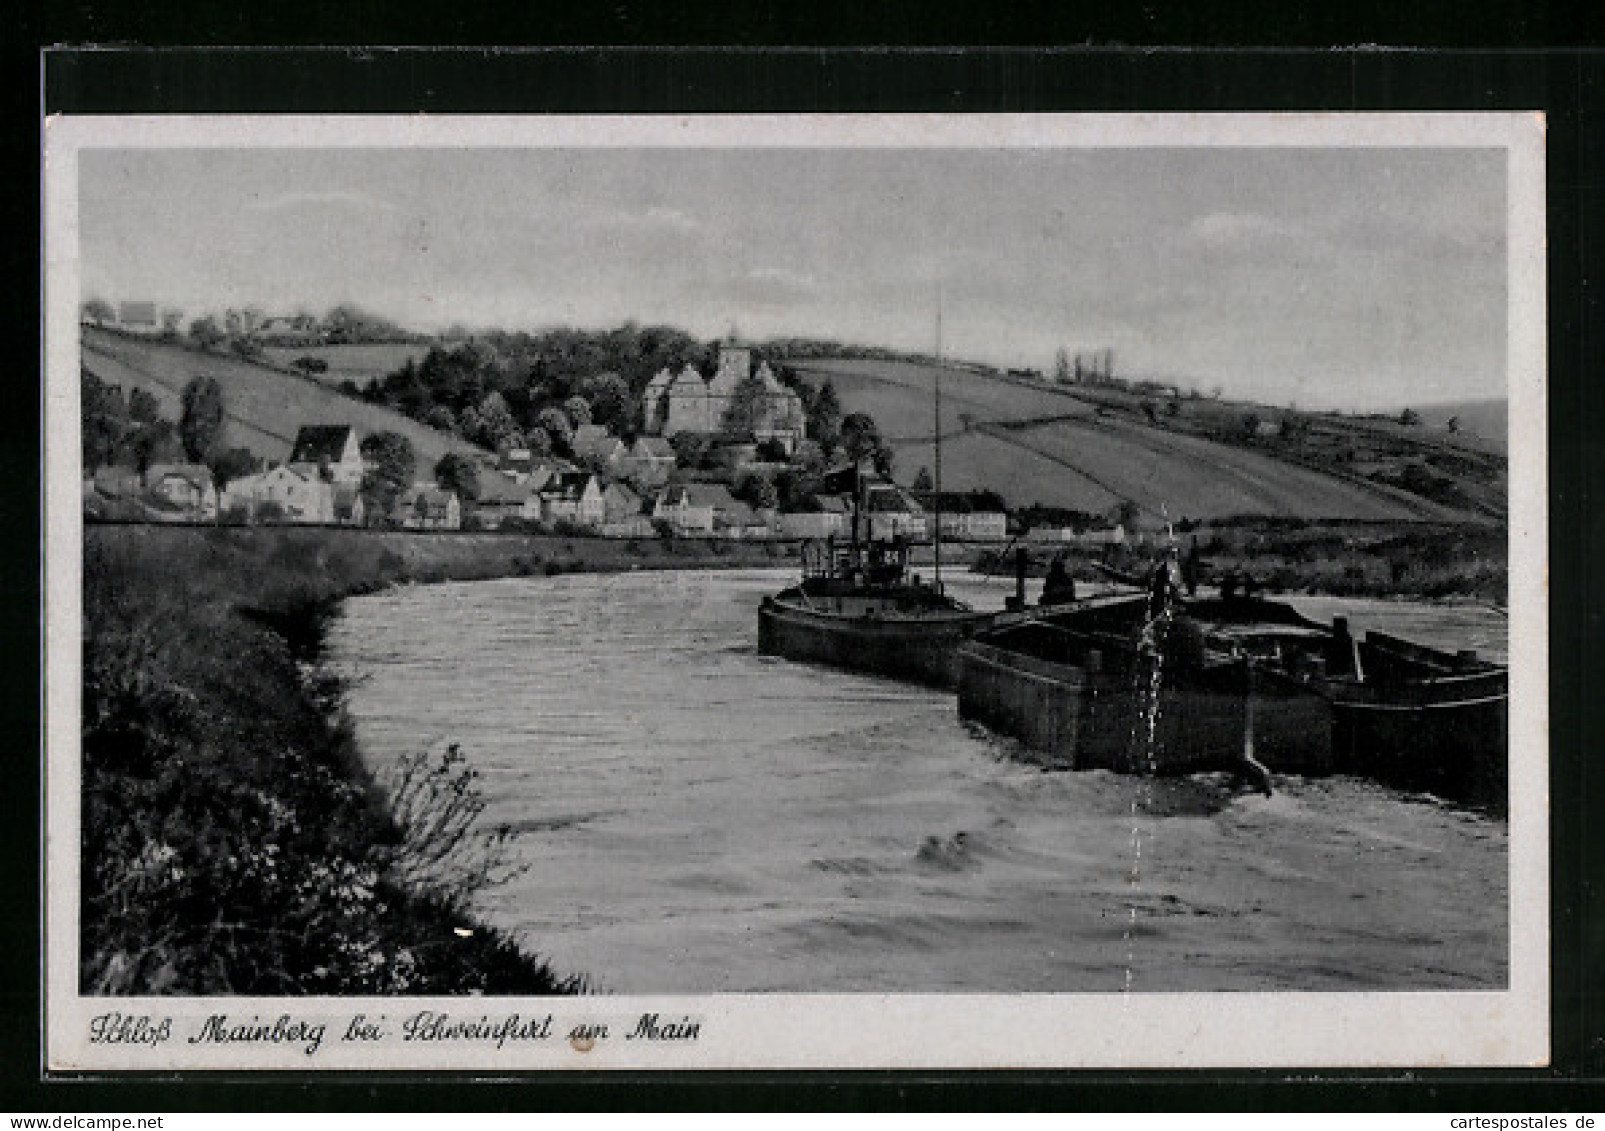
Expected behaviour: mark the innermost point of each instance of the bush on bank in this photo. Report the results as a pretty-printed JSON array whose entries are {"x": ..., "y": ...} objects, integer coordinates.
[{"x": 232, "y": 842}]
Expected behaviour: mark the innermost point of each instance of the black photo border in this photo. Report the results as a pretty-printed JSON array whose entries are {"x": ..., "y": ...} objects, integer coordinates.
[{"x": 1567, "y": 84}]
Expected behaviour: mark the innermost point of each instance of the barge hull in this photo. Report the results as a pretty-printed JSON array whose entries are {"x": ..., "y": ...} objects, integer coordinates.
[
  {"x": 921, "y": 650},
  {"x": 1121, "y": 720}
]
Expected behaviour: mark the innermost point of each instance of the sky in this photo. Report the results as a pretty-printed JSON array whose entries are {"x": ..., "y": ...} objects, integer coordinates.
[{"x": 1327, "y": 278}]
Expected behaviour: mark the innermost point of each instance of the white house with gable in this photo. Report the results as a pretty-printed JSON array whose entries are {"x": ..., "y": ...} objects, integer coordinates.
[{"x": 283, "y": 493}]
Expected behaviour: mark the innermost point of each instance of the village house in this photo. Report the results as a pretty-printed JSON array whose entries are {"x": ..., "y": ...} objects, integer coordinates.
[
  {"x": 424, "y": 506},
  {"x": 744, "y": 521},
  {"x": 330, "y": 451},
  {"x": 515, "y": 463},
  {"x": 138, "y": 317},
  {"x": 294, "y": 330},
  {"x": 1093, "y": 539},
  {"x": 187, "y": 487},
  {"x": 349, "y": 509},
  {"x": 597, "y": 447},
  {"x": 283, "y": 494},
  {"x": 619, "y": 502},
  {"x": 523, "y": 466},
  {"x": 573, "y": 496},
  {"x": 533, "y": 508},
  {"x": 828, "y": 521},
  {"x": 649, "y": 463},
  {"x": 500, "y": 497},
  {"x": 624, "y": 513},
  {"x": 893, "y": 513},
  {"x": 968, "y": 516},
  {"x": 118, "y": 482},
  {"x": 586, "y": 437},
  {"x": 695, "y": 508}
]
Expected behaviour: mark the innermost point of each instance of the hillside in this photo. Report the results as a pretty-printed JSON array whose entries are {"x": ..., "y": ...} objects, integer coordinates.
[
  {"x": 265, "y": 407},
  {"x": 355, "y": 362},
  {"x": 1488, "y": 419},
  {"x": 1091, "y": 450}
]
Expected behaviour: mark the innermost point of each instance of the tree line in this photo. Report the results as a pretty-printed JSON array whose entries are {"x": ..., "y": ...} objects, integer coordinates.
[{"x": 522, "y": 390}]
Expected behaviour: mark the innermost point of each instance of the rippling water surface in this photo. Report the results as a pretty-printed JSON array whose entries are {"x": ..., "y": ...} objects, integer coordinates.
[{"x": 698, "y": 818}]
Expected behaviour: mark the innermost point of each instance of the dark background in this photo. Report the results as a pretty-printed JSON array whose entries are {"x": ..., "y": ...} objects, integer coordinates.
[{"x": 1497, "y": 59}]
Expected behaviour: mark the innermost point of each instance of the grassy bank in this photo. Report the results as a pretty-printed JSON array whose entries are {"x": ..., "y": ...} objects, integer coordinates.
[
  {"x": 1413, "y": 562},
  {"x": 232, "y": 840}
]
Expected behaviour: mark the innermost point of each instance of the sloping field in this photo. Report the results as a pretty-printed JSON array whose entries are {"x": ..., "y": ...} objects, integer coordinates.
[
  {"x": 1484, "y": 425},
  {"x": 265, "y": 408},
  {"x": 1189, "y": 477},
  {"x": 976, "y": 461},
  {"x": 898, "y": 394},
  {"x": 1062, "y": 453},
  {"x": 359, "y": 363}
]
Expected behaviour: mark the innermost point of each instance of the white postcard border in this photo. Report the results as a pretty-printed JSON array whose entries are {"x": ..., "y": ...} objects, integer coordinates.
[{"x": 1149, "y": 1030}]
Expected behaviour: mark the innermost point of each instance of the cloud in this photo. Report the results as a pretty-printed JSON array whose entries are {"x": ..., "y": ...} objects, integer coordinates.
[
  {"x": 656, "y": 219},
  {"x": 326, "y": 199},
  {"x": 672, "y": 218},
  {"x": 1236, "y": 231},
  {"x": 773, "y": 284}
]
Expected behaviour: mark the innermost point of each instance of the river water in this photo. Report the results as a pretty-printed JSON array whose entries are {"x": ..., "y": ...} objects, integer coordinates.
[{"x": 698, "y": 818}]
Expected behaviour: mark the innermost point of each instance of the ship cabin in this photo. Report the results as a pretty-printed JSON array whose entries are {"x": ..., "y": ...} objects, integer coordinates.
[{"x": 865, "y": 579}]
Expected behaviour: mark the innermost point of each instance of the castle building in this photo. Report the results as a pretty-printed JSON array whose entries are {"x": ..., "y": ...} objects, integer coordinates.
[{"x": 685, "y": 402}]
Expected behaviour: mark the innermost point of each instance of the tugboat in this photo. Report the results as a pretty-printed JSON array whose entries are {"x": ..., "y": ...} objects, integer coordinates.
[{"x": 859, "y": 606}]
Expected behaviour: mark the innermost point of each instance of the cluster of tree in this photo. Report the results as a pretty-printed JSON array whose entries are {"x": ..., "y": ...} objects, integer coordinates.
[
  {"x": 504, "y": 390},
  {"x": 794, "y": 488},
  {"x": 133, "y": 433},
  {"x": 1095, "y": 368},
  {"x": 346, "y": 323},
  {"x": 860, "y": 439},
  {"x": 503, "y": 393},
  {"x": 239, "y": 329},
  {"x": 824, "y": 347},
  {"x": 390, "y": 466},
  {"x": 124, "y": 433}
]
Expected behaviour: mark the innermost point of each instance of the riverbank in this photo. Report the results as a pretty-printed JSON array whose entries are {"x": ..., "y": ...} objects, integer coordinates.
[{"x": 233, "y": 841}]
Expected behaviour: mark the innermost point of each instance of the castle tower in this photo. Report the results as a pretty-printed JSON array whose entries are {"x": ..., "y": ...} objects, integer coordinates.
[
  {"x": 655, "y": 400},
  {"x": 735, "y": 364}
]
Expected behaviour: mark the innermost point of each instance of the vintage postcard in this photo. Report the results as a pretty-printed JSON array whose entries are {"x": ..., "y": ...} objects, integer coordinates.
[{"x": 842, "y": 591}]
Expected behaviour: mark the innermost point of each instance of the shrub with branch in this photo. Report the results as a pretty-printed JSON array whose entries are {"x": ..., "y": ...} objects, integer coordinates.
[{"x": 435, "y": 803}]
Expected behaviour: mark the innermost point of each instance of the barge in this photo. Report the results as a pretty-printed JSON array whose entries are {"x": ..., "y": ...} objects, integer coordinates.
[{"x": 1229, "y": 684}]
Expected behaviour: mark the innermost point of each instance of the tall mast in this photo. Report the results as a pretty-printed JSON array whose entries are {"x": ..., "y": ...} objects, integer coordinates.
[{"x": 938, "y": 413}]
